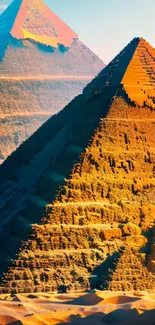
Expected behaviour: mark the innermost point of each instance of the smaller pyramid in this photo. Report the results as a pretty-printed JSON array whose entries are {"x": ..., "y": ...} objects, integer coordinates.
[{"x": 131, "y": 274}]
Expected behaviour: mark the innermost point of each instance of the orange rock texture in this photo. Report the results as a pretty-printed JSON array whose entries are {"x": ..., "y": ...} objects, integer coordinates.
[
  {"x": 43, "y": 66},
  {"x": 99, "y": 230},
  {"x": 151, "y": 263}
]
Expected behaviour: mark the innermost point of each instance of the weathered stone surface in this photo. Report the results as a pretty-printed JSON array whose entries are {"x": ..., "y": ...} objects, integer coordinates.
[
  {"x": 130, "y": 274},
  {"x": 151, "y": 262},
  {"x": 101, "y": 219}
]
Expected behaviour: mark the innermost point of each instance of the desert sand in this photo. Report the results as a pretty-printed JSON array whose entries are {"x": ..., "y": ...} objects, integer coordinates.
[{"x": 93, "y": 308}]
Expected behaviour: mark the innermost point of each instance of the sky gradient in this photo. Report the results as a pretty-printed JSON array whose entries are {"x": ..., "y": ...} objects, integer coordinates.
[{"x": 106, "y": 26}]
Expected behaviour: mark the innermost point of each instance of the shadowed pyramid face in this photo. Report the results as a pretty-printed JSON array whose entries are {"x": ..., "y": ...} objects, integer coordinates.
[{"x": 105, "y": 209}]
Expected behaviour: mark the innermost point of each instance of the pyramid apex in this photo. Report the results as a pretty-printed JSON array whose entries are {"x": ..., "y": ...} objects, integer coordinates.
[
  {"x": 141, "y": 40},
  {"x": 33, "y": 20},
  {"x": 130, "y": 70},
  {"x": 138, "y": 40}
]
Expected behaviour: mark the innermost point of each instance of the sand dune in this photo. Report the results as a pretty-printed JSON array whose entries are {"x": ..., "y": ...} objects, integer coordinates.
[
  {"x": 7, "y": 320},
  {"x": 94, "y": 308},
  {"x": 117, "y": 300},
  {"x": 87, "y": 300}
]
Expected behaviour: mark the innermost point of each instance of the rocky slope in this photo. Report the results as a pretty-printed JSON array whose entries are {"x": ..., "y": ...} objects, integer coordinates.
[
  {"x": 43, "y": 64},
  {"x": 102, "y": 219}
]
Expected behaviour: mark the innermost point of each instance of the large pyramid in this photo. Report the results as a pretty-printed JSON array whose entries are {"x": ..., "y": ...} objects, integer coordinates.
[
  {"x": 43, "y": 66},
  {"x": 95, "y": 163}
]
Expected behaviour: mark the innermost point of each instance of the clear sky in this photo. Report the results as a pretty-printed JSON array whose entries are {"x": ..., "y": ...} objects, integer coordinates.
[{"x": 106, "y": 26}]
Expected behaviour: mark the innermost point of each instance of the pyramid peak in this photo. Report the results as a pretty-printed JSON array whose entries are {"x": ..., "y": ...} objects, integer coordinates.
[
  {"x": 33, "y": 20},
  {"x": 143, "y": 40},
  {"x": 132, "y": 69},
  {"x": 138, "y": 39}
]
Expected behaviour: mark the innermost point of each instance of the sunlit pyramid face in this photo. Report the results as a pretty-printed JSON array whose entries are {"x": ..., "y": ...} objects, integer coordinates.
[{"x": 86, "y": 181}]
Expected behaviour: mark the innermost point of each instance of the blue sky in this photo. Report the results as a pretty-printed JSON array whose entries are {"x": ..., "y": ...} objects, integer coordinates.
[{"x": 106, "y": 26}]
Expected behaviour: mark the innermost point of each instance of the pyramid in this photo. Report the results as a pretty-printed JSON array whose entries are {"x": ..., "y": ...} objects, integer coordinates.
[
  {"x": 131, "y": 274},
  {"x": 43, "y": 64},
  {"x": 33, "y": 20},
  {"x": 94, "y": 163}
]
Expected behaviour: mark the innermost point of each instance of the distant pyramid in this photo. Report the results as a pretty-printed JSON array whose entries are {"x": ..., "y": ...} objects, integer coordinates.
[
  {"x": 94, "y": 162},
  {"x": 43, "y": 66},
  {"x": 33, "y": 20}
]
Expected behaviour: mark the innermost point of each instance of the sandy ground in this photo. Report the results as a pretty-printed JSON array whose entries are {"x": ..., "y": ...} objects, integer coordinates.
[{"x": 93, "y": 308}]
